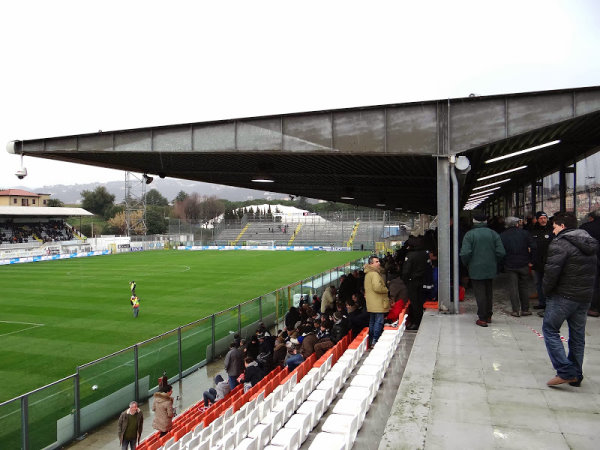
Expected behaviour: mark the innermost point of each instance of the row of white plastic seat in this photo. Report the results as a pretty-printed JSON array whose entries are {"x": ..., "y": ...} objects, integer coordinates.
[
  {"x": 340, "y": 428},
  {"x": 285, "y": 418}
]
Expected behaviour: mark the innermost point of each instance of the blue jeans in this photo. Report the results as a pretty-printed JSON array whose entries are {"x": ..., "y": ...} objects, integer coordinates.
[
  {"x": 375, "y": 326},
  {"x": 232, "y": 382},
  {"x": 559, "y": 309}
]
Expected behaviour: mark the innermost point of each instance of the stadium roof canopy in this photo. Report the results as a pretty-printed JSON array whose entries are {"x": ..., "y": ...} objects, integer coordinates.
[
  {"x": 380, "y": 156},
  {"x": 41, "y": 211}
]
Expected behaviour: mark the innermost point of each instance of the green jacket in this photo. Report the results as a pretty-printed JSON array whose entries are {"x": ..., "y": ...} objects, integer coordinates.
[{"x": 481, "y": 252}]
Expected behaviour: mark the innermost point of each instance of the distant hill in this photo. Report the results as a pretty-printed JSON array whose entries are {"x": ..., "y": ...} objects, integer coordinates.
[{"x": 168, "y": 187}]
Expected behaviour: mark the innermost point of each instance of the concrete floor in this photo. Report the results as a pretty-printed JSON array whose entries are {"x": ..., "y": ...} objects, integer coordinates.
[{"x": 458, "y": 386}]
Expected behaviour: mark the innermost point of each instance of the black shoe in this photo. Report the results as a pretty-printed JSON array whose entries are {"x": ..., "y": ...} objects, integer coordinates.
[
  {"x": 541, "y": 313},
  {"x": 577, "y": 383},
  {"x": 539, "y": 307}
]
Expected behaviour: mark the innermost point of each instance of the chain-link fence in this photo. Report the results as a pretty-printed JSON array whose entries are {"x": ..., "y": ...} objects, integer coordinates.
[{"x": 58, "y": 413}]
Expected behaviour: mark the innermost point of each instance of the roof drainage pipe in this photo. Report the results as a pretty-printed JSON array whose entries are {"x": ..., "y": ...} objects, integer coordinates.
[{"x": 455, "y": 222}]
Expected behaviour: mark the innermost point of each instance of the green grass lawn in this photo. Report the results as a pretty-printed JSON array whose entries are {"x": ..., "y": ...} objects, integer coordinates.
[{"x": 57, "y": 315}]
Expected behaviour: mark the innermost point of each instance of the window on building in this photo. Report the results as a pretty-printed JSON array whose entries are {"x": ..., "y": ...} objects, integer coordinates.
[
  {"x": 14, "y": 201},
  {"x": 44, "y": 202},
  {"x": 33, "y": 201},
  {"x": 24, "y": 202}
]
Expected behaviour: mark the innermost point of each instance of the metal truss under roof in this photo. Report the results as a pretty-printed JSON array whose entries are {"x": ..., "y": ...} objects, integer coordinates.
[{"x": 378, "y": 155}]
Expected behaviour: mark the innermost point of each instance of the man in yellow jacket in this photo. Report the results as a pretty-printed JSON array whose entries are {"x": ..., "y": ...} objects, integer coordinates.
[{"x": 376, "y": 294}]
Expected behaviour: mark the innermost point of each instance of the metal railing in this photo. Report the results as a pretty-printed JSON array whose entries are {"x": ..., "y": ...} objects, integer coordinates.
[{"x": 64, "y": 410}]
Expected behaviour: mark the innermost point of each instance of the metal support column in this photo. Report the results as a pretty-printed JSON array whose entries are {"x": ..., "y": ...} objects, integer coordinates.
[
  {"x": 180, "y": 353},
  {"x": 213, "y": 341},
  {"x": 77, "y": 413},
  {"x": 443, "y": 209},
  {"x": 136, "y": 373}
]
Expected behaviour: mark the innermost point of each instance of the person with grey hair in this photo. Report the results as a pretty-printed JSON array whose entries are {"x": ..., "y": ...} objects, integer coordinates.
[
  {"x": 131, "y": 423},
  {"x": 520, "y": 248}
]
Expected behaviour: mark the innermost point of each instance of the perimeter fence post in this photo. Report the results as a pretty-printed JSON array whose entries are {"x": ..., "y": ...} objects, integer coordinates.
[
  {"x": 213, "y": 337},
  {"x": 136, "y": 393},
  {"x": 179, "y": 350},
  {"x": 77, "y": 415},
  {"x": 25, "y": 422}
]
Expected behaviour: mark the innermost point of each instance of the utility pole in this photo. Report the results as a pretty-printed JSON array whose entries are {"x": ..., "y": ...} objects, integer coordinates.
[{"x": 135, "y": 203}]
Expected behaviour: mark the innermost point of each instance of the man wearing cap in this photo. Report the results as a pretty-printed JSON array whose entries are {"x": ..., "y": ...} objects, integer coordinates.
[
  {"x": 481, "y": 252},
  {"x": 542, "y": 235},
  {"x": 593, "y": 228}
]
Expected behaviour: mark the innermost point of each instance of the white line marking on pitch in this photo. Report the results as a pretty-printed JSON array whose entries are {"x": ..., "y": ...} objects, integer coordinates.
[{"x": 34, "y": 325}]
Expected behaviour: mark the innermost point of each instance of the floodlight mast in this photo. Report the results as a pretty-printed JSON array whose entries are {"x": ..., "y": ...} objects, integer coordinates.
[{"x": 135, "y": 204}]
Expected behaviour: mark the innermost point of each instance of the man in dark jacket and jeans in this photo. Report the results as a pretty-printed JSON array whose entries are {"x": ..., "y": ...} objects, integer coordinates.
[
  {"x": 568, "y": 285},
  {"x": 520, "y": 247}
]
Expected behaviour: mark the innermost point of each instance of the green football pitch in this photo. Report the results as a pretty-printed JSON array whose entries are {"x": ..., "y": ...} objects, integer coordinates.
[{"x": 57, "y": 315}]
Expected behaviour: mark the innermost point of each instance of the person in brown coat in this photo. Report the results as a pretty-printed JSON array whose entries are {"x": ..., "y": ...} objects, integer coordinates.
[
  {"x": 163, "y": 410},
  {"x": 308, "y": 342},
  {"x": 376, "y": 293}
]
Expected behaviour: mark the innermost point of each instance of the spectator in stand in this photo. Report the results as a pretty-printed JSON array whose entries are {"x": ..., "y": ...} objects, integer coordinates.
[
  {"x": 593, "y": 228},
  {"x": 339, "y": 329},
  {"x": 346, "y": 288},
  {"x": 358, "y": 318},
  {"x": 396, "y": 307},
  {"x": 292, "y": 316},
  {"x": 481, "y": 252},
  {"x": 520, "y": 247},
  {"x": 253, "y": 373},
  {"x": 294, "y": 358},
  {"x": 376, "y": 294},
  {"x": 131, "y": 423},
  {"x": 308, "y": 343},
  {"x": 279, "y": 351},
  {"x": 163, "y": 410},
  {"x": 542, "y": 235},
  {"x": 414, "y": 269},
  {"x": 234, "y": 364},
  {"x": 316, "y": 303},
  {"x": 328, "y": 300},
  {"x": 217, "y": 393}
]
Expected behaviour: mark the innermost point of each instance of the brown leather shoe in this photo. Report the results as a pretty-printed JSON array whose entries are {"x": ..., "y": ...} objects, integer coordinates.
[
  {"x": 525, "y": 313},
  {"x": 533, "y": 296},
  {"x": 593, "y": 313},
  {"x": 515, "y": 314},
  {"x": 558, "y": 380},
  {"x": 489, "y": 319},
  {"x": 481, "y": 323}
]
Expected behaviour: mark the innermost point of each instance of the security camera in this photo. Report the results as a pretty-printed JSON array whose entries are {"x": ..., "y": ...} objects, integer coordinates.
[{"x": 21, "y": 173}]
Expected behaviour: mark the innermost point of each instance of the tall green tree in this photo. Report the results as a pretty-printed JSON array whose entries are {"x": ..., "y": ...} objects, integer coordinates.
[
  {"x": 181, "y": 196},
  {"x": 99, "y": 201},
  {"x": 155, "y": 198},
  {"x": 155, "y": 220}
]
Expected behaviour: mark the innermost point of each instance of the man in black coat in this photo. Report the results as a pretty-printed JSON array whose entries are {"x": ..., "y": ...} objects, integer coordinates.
[
  {"x": 568, "y": 285},
  {"x": 520, "y": 247},
  {"x": 542, "y": 235},
  {"x": 593, "y": 228}
]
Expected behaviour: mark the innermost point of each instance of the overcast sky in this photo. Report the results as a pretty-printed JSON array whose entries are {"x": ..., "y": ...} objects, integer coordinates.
[{"x": 71, "y": 67}]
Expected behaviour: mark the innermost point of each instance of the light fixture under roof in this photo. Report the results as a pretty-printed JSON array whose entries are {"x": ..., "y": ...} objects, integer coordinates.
[
  {"x": 262, "y": 178},
  {"x": 483, "y": 192},
  {"x": 346, "y": 197},
  {"x": 501, "y": 173},
  {"x": 520, "y": 152},
  {"x": 379, "y": 204},
  {"x": 491, "y": 184}
]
